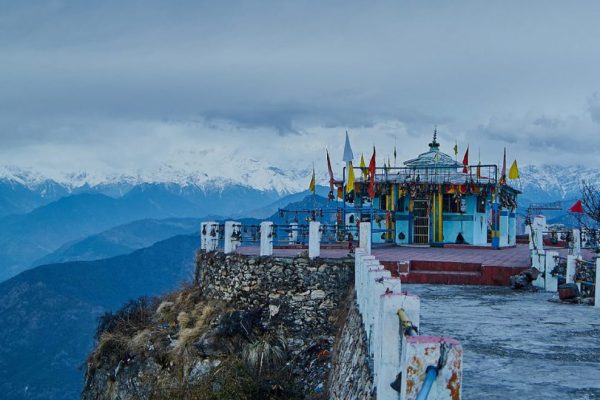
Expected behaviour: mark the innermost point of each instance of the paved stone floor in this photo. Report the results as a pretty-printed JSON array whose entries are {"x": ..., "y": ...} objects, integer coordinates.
[
  {"x": 511, "y": 257},
  {"x": 517, "y": 345}
]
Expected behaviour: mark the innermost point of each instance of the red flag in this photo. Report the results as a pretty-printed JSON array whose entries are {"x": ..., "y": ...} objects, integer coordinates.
[
  {"x": 466, "y": 161},
  {"x": 331, "y": 180},
  {"x": 372, "y": 175},
  {"x": 577, "y": 207}
]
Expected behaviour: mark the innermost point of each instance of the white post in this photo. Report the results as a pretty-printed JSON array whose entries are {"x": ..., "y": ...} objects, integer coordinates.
[
  {"x": 596, "y": 289},
  {"x": 210, "y": 235},
  {"x": 538, "y": 261},
  {"x": 293, "y": 235},
  {"x": 232, "y": 239},
  {"x": 551, "y": 281},
  {"x": 365, "y": 236},
  {"x": 375, "y": 288},
  {"x": 266, "y": 238},
  {"x": 529, "y": 232},
  {"x": 388, "y": 355},
  {"x": 203, "y": 235},
  {"x": 570, "y": 272},
  {"x": 314, "y": 241},
  {"x": 576, "y": 242},
  {"x": 383, "y": 287}
]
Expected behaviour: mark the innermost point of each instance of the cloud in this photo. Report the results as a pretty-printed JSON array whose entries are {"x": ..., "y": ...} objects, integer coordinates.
[{"x": 107, "y": 86}]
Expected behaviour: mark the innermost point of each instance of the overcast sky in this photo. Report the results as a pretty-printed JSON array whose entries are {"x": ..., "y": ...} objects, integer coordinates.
[{"x": 131, "y": 85}]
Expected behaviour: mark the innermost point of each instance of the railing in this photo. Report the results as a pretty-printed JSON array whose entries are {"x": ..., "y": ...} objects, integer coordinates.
[{"x": 488, "y": 173}]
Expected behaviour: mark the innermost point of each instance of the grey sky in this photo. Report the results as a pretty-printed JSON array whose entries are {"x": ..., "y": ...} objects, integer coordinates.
[{"x": 122, "y": 85}]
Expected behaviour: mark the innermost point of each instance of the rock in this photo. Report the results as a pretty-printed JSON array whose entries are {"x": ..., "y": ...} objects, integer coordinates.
[
  {"x": 317, "y": 294},
  {"x": 202, "y": 368}
]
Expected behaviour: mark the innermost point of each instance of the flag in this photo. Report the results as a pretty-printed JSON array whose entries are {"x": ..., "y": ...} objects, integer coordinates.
[
  {"x": 577, "y": 207},
  {"x": 331, "y": 179},
  {"x": 436, "y": 157},
  {"x": 312, "y": 186},
  {"x": 503, "y": 173},
  {"x": 455, "y": 148},
  {"x": 513, "y": 172},
  {"x": 395, "y": 154},
  {"x": 350, "y": 184},
  {"x": 466, "y": 161},
  {"x": 363, "y": 168},
  {"x": 479, "y": 170},
  {"x": 348, "y": 156},
  {"x": 372, "y": 175}
]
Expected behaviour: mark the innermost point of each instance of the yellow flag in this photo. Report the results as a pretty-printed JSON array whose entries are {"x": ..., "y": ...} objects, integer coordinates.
[
  {"x": 363, "y": 168},
  {"x": 479, "y": 170},
  {"x": 312, "y": 186},
  {"x": 513, "y": 172},
  {"x": 455, "y": 148},
  {"x": 350, "y": 184}
]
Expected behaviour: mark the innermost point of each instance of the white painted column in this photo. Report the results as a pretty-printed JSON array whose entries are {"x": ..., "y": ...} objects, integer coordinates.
[
  {"x": 388, "y": 358},
  {"x": 375, "y": 288},
  {"x": 266, "y": 238},
  {"x": 576, "y": 242},
  {"x": 314, "y": 239},
  {"x": 597, "y": 286},
  {"x": 570, "y": 272},
  {"x": 293, "y": 234},
  {"x": 365, "y": 236},
  {"x": 210, "y": 236},
  {"x": 538, "y": 261},
  {"x": 551, "y": 281},
  {"x": 203, "y": 235},
  {"x": 503, "y": 228},
  {"x": 231, "y": 236},
  {"x": 529, "y": 233}
]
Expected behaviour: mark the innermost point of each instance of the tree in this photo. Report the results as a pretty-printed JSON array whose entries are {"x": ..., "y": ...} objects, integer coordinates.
[{"x": 590, "y": 199}]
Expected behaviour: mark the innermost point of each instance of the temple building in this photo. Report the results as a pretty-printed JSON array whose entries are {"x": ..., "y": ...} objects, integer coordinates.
[{"x": 433, "y": 200}]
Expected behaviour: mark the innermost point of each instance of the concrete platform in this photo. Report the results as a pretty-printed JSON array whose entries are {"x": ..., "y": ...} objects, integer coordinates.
[
  {"x": 517, "y": 345},
  {"x": 446, "y": 265}
]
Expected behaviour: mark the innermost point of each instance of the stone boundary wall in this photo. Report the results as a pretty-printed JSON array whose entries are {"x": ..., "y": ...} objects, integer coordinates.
[
  {"x": 350, "y": 376},
  {"x": 302, "y": 296}
]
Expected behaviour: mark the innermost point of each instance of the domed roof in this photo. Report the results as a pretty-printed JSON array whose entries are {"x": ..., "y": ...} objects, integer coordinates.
[{"x": 434, "y": 158}]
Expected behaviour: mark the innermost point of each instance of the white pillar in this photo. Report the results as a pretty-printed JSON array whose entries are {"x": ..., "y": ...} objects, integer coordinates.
[
  {"x": 538, "y": 261},
  {"x": 551, "y": 281},
  {"x": 529, "y": 232},
  {"x": 576, "y": 242},
  {"x": 388, "y": 357},
  {"x": 203, "y": 235},
  {"x": 266, "y": 238},
  {"x": 293, "y": 234},
  {"x": 231, "y": 236},
  {"x": 597, "y": 285},
  {"x": 365, "y": 236},
  {"x": 375, "y": 288},
  {"x": 210, "y": 235},
  {"x": 314, "y": 241},
  {"x": 570, "y": 272}
]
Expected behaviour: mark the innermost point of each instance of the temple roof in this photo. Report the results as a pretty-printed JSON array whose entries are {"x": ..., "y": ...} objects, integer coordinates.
[{"x": 434, "y": 158}]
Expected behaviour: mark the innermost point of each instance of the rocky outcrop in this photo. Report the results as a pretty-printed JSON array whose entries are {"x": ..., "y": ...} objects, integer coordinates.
[
  {"x": 204, "y": 341},
  {"x": 350, "y": 376}
]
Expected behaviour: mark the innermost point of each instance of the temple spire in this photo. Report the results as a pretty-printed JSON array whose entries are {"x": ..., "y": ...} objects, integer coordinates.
[{"x": 434, "y": 145}]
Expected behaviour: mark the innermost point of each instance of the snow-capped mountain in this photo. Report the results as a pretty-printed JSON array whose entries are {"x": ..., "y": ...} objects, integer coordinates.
[{"x": 553, "y": 182}]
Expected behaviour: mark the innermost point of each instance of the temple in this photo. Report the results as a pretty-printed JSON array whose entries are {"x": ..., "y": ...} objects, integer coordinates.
[{"x": 433, "y": 200}]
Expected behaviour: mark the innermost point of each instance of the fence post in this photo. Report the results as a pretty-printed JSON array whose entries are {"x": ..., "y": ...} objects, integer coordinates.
[
  {"x": 365, "y": 236},
  {"x": 576, "y": 242},
  {"x": 551, "y": 281},
  {"x": 266, "y": 238},
  {"x": 538, "y": 261},
  {"x": 388, "y": 357},
  {"x": 314, "y": 240},
  {"x": 596, "y": 283},
  {"x": 232, "y": 236},
  {"x": 210, "y": 235},
  {"x": 570, "y": 272},
  {"x": 293, "y": 235}
]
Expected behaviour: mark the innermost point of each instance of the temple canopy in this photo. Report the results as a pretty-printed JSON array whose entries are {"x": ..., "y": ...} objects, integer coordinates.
[{"x": 434, "y": 158}]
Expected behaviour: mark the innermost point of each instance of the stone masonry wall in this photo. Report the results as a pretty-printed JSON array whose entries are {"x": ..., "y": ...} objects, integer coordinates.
[
  {"x": 350, "y": 376},
  {"x": 303, "y": 296}
]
